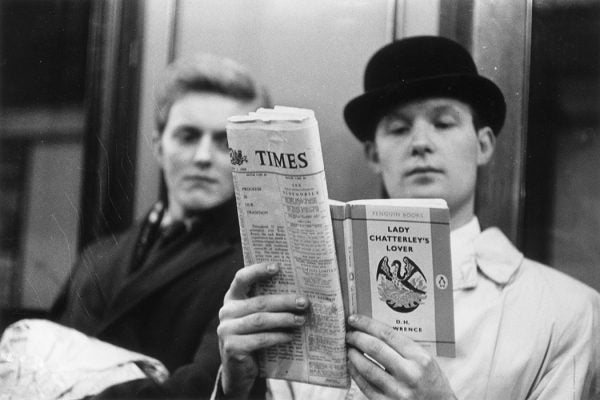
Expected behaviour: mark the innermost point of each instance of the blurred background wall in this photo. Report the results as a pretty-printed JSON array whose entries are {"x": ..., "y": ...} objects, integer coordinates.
[
  {"x": 76, "y": 112},
  {"x": 43, "y": 75}
]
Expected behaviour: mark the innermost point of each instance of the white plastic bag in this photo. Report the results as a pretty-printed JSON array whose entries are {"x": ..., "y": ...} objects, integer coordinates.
[{"x": 42, "y": 360}]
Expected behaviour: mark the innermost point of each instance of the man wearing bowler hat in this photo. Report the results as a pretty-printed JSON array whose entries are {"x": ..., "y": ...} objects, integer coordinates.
[{"x": 428, "y": 120}]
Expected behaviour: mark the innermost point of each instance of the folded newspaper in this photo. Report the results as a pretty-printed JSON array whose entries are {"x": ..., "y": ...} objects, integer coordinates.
[{"x": 389, "y": 259}]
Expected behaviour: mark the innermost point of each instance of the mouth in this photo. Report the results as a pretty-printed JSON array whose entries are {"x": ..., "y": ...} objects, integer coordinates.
[
  {"x": 199, "y": 179},
  {"x": 423, "y": 170}
]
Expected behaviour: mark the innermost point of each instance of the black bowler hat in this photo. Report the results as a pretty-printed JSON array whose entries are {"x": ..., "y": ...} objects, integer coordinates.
[{"x": 421, "y": 67}]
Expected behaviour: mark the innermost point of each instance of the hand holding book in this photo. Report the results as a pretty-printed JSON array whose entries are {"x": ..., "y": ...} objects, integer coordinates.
[{"x": 406, "y": 367}]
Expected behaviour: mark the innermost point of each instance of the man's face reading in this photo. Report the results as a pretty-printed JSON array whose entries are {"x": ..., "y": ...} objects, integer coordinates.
[
  {"x": 429, "y": 149},
  {"x": 193, "y": 153}
]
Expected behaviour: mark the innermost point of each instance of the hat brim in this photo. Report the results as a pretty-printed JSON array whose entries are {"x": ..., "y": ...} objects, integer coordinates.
[{"x": 363, "y": 112}]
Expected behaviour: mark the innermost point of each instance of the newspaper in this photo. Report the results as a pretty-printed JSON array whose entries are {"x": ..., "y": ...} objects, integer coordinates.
[{"x": 284, "y": 214}]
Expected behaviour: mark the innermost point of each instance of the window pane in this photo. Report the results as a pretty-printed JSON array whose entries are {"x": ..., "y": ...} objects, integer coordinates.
[
  {"x": 563, "y": 152},
  {"x": 43, "y": 49}
]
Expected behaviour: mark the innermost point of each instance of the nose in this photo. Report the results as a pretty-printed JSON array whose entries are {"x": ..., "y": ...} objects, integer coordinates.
[
  {"x": 421, "y": 142},
  {"x": 204, "y": 150}
]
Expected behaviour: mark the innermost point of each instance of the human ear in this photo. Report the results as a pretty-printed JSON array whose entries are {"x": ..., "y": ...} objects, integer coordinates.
[
  {"x": 486, "y": 141},
  {"x": 157, "y": 146},
  {"x": 372, "y": 156}
]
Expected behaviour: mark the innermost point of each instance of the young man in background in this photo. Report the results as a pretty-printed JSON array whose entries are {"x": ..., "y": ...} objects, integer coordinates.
[{"x": 156, "y": 289}]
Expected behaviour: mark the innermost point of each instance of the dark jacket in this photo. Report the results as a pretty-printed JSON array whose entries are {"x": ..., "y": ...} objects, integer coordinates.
[{"x": 167, "y": 308}]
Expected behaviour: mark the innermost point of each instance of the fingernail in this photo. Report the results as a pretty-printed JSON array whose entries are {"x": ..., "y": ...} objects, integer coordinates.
[
  {"x": 352, "y": 319},
  {"x": 299, "y": 319},
  {"x": 272, "y": 268},
  {"x": 301, "y": 302}
]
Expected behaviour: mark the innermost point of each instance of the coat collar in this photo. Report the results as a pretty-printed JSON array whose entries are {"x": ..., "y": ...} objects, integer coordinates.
[
  {"x": 211, "y": 240},
  {"x": 489, "y": 253},
  {"x": 149, "y": 280}
]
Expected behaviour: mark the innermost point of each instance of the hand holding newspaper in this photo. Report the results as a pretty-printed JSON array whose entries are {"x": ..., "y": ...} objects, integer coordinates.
[{"x": 342, "y": 266}]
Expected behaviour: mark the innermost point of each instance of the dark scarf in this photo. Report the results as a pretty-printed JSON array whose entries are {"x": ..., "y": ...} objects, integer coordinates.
[{"x": 216, "y": 224}]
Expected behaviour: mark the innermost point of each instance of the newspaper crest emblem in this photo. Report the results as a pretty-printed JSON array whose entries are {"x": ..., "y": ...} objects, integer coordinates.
[
  {"x": 402, "y": 286},
  {"x": 237, "y": 157}
]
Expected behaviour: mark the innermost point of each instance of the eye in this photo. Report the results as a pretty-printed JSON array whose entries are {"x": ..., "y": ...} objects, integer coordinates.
[
  {"x": 445, "y": 122},
  {"x": 397, "y": 128},
  {"x": 186, "y": 135},
  {"x": 220, "y": 140}
]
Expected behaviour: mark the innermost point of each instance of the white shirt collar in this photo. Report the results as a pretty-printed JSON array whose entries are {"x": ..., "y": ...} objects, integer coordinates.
[
  {"x": 490, "y": 252},
  {"x": 497, "y": 258},
  {"x": 462, "y": 250}
]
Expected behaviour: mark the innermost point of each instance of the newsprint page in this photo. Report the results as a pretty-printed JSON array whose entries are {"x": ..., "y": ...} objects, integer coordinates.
[{"x": 284, "y": 217}]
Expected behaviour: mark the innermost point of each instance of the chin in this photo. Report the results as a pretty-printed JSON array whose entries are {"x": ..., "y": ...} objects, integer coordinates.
[
  {"x": 419, "y": 193},
  {"x": 203, "y": 203},
  {"x": 428, "y": 195},
  {"x": 206, "y": 205}
]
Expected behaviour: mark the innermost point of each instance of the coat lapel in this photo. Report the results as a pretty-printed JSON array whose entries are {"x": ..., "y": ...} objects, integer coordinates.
[
  {"x": 215, "y": 234},
  {"x": 158, "y": 272}
]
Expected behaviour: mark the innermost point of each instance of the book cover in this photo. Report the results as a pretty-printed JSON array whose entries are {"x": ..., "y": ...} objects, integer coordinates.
[{"x": 395, "y": 266}]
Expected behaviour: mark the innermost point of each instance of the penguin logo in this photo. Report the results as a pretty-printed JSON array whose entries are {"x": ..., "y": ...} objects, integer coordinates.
[
  {"x": 402, "y": 286},
  {"x": 441, "y": 281}
]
